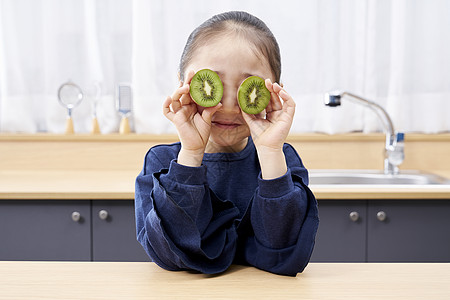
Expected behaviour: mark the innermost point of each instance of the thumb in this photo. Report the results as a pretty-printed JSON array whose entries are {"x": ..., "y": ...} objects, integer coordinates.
[
  {"x": 209, "y": 112},
  {"x": 248, "y": 118}
]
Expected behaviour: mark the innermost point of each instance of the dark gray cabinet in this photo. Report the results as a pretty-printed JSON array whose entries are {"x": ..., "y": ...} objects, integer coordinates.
[
  {"x": 383, "y": 231},
  {"x": 80, "y": 230},
  {"x": 341, "y": 236},
  {"x": 408, "y": 231},
  {"x": 114, "y": 232},
  {"x": 45, "y": 230}
]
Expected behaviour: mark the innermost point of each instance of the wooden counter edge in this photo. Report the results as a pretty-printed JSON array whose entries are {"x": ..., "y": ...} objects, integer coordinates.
[
  {"x": 293, "y": 137},
  {"x": 320, "y": 194}
]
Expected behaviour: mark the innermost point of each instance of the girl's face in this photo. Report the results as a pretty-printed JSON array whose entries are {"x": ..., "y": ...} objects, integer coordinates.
[{"x": 233, "y": 59}]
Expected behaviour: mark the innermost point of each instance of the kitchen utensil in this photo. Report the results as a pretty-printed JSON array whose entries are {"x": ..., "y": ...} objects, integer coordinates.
[
  {"x": 69, "y": 95},
  {"x": 124, "y": 106},
  {"x": 94, "y": 91}
]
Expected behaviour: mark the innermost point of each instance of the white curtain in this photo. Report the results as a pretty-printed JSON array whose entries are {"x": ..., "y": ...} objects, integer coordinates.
[
  {"x": 45, "y": 43},
  {"x": 393, "y": 52}
]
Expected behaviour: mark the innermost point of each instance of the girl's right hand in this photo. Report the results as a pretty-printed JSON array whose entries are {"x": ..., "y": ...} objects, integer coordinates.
[{"x": 192, "y": 121}]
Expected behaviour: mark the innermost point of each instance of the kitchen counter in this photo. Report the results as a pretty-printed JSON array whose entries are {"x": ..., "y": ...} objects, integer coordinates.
[
  {"x": 83, "y": 166},
  {"x": 67, "y": 184},
  {"x": 133, "y": 280},
  {"x": 119, "y": 184}
]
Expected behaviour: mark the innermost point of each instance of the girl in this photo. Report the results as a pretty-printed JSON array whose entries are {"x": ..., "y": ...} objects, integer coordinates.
[{"x": 231, "y": 191}]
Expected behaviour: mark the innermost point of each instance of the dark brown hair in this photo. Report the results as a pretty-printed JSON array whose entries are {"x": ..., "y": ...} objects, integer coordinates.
[{"x": 234, "y": 22}]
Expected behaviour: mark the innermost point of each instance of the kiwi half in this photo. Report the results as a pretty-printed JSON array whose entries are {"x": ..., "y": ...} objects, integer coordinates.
[
  {"x": 253, "y": 96},
  {"x": 206, "y": 88}
]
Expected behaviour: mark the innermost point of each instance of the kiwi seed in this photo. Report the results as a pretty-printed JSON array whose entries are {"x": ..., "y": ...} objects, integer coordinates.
[
  {"x": 206, "y": 88},
  {"x": 253, "y": 96}
]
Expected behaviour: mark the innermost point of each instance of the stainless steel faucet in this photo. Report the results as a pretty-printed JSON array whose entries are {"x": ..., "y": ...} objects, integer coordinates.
[{"x": 394, "y": 153}]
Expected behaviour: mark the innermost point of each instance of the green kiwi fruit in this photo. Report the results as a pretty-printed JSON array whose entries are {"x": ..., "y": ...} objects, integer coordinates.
[
  {"x": 253, "y": 96},
  {"x": 206, "y": 88}
]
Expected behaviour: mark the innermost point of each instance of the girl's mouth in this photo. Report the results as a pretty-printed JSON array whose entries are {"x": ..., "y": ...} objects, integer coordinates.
[{"x": 225, "y": 125}]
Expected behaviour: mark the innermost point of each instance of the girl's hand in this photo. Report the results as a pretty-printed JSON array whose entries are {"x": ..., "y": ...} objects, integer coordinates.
[
  {"x": 270, "y": 133},
  {"x": 193, "y": 123}
]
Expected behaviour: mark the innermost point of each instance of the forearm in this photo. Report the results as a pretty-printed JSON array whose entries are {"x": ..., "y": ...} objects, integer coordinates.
[
  {"x": 272, "y": 162},
  {"x": 284, "y": 220},
  {"x": 190, "y": 158},
  {"x": 177, "y": 213},
  {"x": 278, "y": 210}
]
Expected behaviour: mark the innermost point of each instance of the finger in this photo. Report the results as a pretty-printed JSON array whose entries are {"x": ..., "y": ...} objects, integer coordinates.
[
  {"x": 166, "y": 108},
  {"x": 277, "y": 88},
  {"x": 269, "y": 86},
  {"x": 177, "y": 95},
  {"x": 185, "y": 99},
  {"x": 180, "y": 92},
  {"x": 189, "y": 76},
  {"x": 208, "y": 112},
  {"x": 248, "y": 118},
  {"x": 176, "y": 105},
  {"x": 288, "y": 102},
  {"x": 275, "y": 99},
  {"x": 286, "y": 97}
]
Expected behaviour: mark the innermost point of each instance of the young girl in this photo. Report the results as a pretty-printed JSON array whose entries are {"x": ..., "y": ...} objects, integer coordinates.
[{"x": 231, "y": 191}]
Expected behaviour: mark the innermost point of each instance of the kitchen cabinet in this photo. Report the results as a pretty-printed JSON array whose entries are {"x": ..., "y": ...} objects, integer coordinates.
[
  {"x": 45, "y": 230},
  {"x": 408, "y": 231},
  {"x": 80, "y": 230},
  {"x": 104, "y": 230},
  {"x": 114, "y": 232},
  {"x": 383, "y": 231},
  {"x": 341, "y": 236}
]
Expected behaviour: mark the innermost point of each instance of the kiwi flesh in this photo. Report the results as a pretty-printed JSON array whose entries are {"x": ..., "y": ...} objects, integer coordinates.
[
  {"x": 253, "y": 96},
  {"x": 206, "y": 88}
]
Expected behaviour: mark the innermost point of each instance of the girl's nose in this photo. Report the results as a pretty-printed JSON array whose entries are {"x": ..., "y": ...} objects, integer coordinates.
[{"x": 229, "y": 101}]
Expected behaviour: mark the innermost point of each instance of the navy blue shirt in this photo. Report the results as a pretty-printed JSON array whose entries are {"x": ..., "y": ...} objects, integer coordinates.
[{"x": 206, "y": 218}]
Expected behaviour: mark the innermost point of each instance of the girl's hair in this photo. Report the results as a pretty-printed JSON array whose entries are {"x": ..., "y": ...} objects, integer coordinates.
[{"x": 239, "y": 23}]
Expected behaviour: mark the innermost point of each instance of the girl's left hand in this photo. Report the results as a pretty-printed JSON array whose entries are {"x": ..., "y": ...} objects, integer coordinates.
[{"x": 270, "y": 133}]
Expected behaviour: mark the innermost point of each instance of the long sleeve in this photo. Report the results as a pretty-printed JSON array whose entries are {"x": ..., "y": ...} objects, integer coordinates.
[
  {"x": 180, "y": 222},
  {"x": 284, "y": 219},
  {"x": 206, "y": 218}
]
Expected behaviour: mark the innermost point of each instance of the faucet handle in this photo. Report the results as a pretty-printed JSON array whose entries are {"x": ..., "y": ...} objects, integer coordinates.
[{"x": 400, "y": 137}]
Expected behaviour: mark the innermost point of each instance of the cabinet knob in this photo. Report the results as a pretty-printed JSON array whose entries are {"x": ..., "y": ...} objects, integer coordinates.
[
  {"x": 76, "y": 216},
  {"x": 354, "y": 216},
  {"x": 103, "y": 214},
  {"x": 381, "y": 216}
]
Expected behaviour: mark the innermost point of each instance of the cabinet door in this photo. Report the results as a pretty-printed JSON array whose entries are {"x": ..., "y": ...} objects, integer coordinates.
[
  {"x": 413, "y": 231},
  {"x": 44, "y": 230},
  {"x": 339, "y": 238},
  {"x": 114, "y": 232}
]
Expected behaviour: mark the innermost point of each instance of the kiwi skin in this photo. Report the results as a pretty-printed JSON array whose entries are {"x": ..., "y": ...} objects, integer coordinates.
[
  {"x": 206, "y": 88},
  {"x": 253, "y": 96}
]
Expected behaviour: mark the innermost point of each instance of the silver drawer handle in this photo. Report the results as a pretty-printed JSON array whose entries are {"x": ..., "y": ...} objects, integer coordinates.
[
  {"x": 76, "y": 216},
  {"x": 381, "y": 216},
  {"x": 354, "y": 216},
  {"x": 103, "y": 214}
]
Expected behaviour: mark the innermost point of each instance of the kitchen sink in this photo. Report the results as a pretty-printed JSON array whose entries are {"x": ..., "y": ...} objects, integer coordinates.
[{"x": 373, "y": 177}]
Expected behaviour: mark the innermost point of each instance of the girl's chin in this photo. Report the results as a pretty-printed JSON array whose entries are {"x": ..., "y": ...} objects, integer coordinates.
[
  {"x": 225, "y": 141},
  {"x": 230, "y": 132},
  {"x": 226, "y": 145}
]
